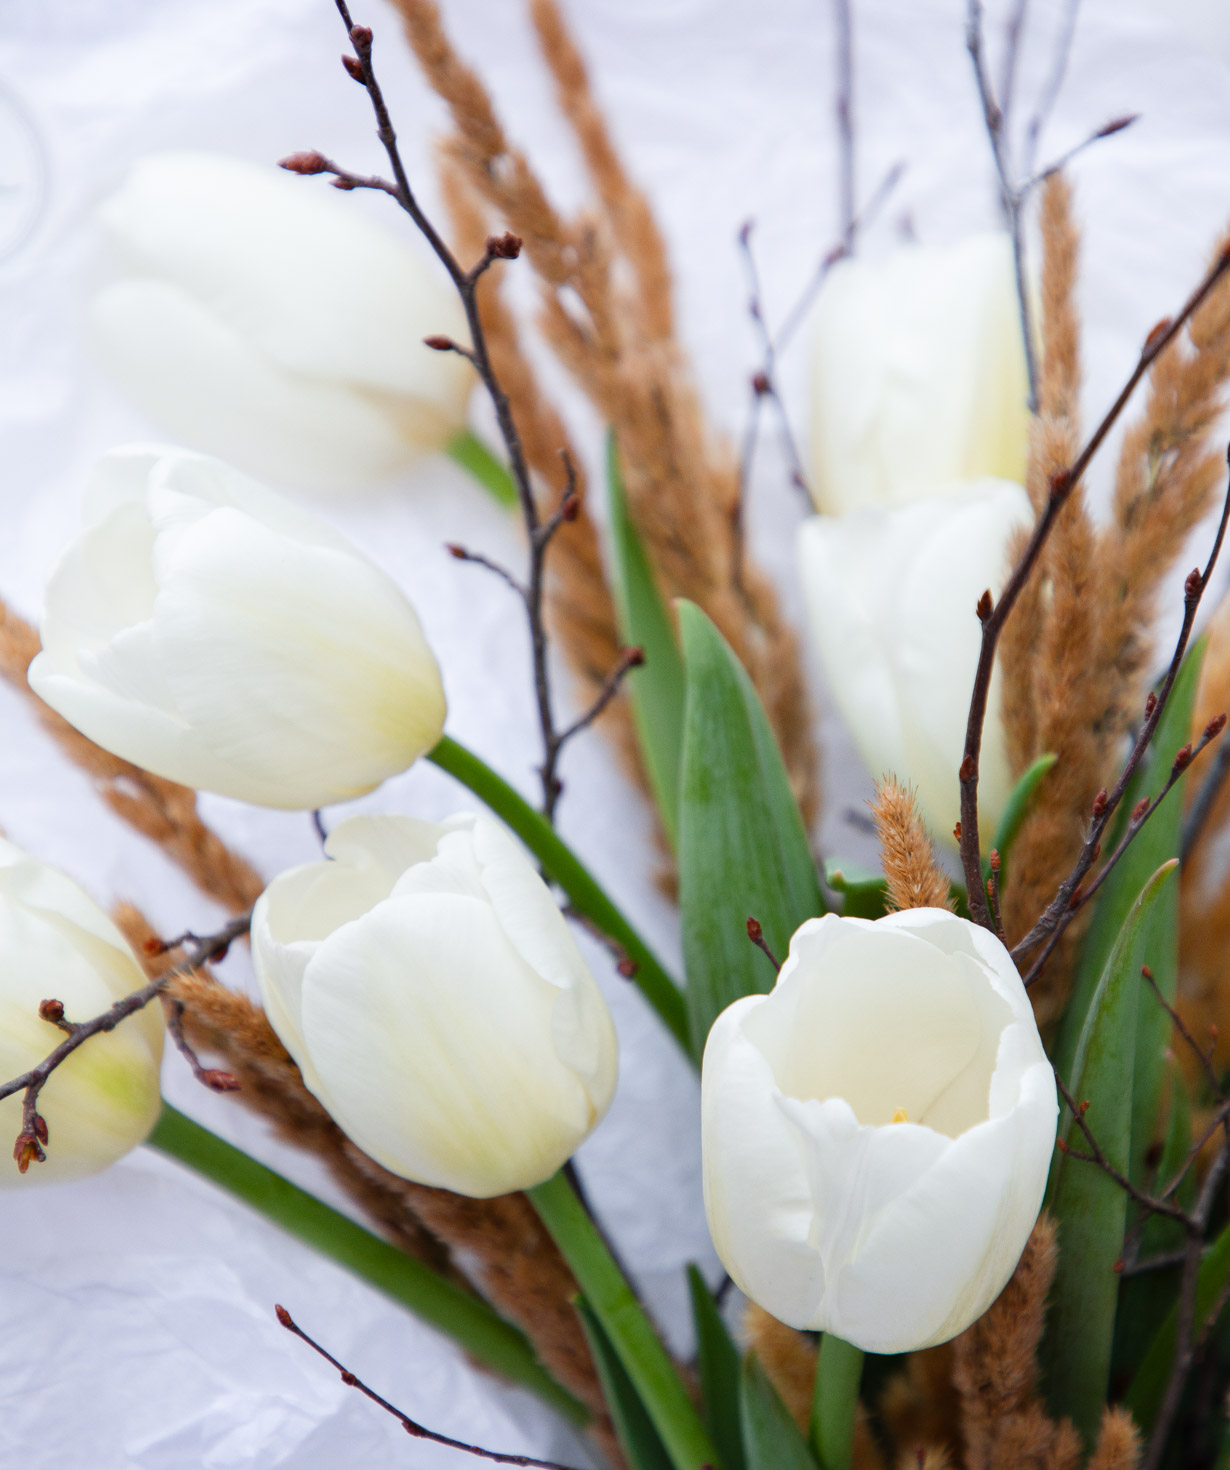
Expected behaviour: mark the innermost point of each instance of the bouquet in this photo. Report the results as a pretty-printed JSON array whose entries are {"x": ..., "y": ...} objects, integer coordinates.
[{"x": 964, "y": 1123}]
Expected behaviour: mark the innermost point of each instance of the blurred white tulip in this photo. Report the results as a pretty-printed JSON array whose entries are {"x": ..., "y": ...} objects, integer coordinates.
[
  {"x": 427, "y": 985},
  {"x": 919, "y": 375},
  {"x": 877, "y": 1131},
  {"x": 265, "y": 318},
  {"x": 891, "y": 597},
  {"x": 206, "y": 629},
  {"x": 57, "y": 944}
]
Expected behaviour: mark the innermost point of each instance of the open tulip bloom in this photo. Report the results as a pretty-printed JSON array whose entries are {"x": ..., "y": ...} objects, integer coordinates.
[{"x": 877, "y": 1131}]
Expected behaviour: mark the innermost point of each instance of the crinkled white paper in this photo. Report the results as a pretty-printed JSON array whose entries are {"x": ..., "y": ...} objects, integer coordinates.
[{"x": 136, "y": 1309}]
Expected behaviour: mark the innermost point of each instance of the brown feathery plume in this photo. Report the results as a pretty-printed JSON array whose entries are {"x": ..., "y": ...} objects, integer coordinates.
[
  {"x": 581, "y": 615},
  {"x": 915, "y": 879},
  {"x": 632, "y": 221},
  {"x": 1168, "y": 475},
  {"x": 161, "y": 810},
  {"x": 1003, "y": 1424},
  {"x": 789, "y": 1360},
  {"x": 919, "y": 1406},
  {"x": 1118, "y": 1446},
  {"x": 505, "y": 1246},
  {"x": 787, "y": 1357},
  {"x": 682, "y": 488},
  {"x": 1204, "y": 919},
  {"x": 1056, "y": 695}
]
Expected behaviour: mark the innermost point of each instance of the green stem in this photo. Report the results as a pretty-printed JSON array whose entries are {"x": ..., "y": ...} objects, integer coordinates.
[
  {"x": 631, "y": 1334},
  {"x": 571, "y": 874},
  {"x": 469, "y": 451},
  {"x": 835, "y": 1402},
  {"x": 467, "y": 1319}
]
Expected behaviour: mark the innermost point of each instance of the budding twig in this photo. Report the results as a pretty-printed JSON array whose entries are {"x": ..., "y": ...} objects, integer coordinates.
[
  {"x": 28, "y": 1148},
  {"x": 507, "y": 246},
  {"x": 1062, "y": 487},
  {"x": 1073, "y": 893},
  {"x": 411, "y": 1426},
  {"x": 756, "y": 934}
]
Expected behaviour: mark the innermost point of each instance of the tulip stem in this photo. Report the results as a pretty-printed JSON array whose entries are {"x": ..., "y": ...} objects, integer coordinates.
[
  {"x": 566, "y": 869},
  {"x": 631, "y": 1334},
  {"x": 469, "y": 451},
  {"x": 835, "y": 1402},
  {"x": 451, "y": 1310}
]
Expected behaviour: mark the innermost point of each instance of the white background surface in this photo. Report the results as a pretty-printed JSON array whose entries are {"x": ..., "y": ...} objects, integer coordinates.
[{"x": 136, "y": 1323}]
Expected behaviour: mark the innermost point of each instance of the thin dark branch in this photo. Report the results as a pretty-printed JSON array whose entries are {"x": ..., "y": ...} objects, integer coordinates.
[
  {"x": 862, "y": 222},
  {"x": 1107, "y": 130},
  {"x": 1058, "y": 918},
  {"x": 1205, "y": 800},
  {"x": 1012, "y": 54},
  {"x": 845, "y": 116},
  {"x": 993, "y": 616},
  {"x": 1148, "y": 1203},
  {"x": 1054, "y": 85},
  {"x": 1162, "y": 1262},
  {"x": 28, "y": 1148},
  {"x": 318, "y": 826},
  {"x": 411, "y": 1426},
  {"x": 755, "y": 933},
  {"x": 629, "y": 658},
  {"x": 461, "y": 553},
  {"x": 1011, "y": 197},
  {"x": 214, "y": 1078},
  {"x": 503, "y": 247},
  {"x": 1203, "y": 1056}
]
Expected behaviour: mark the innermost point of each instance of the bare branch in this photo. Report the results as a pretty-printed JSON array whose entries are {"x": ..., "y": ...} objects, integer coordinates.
[
  {"x": 993, "y": 616},
  {"x": 29, "y": 1146},
  {"x": 755, "y": 933},
  {"x": 411, "y": 1426}
]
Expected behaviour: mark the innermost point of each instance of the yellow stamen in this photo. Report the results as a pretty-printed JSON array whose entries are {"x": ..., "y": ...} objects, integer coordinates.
[{"x": 900, "y": 1115}]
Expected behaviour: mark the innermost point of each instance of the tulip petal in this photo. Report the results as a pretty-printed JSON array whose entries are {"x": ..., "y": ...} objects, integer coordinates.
[
  {"x": 201, "y": 381},
  {"x": 482, "y": 1107}
]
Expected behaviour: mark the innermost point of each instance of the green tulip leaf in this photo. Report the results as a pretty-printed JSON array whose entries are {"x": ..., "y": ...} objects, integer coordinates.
[
  {"x": 1157, "y": 842},
  {"x": 864, "y": 893},
  {"x": 657, "y": 687},
  {"x": 771, "y": 1439},
  {"x": 1018, "y": 808},
  {"x": 455, "y": 1312},
  {"x": 718, "y": 1364},
  {"x": 743, "y": 848},
  {"x": 469, "y": 451},
  {"x": 1090, "y": 1208},
  {"x": 639, "y": 1440}
]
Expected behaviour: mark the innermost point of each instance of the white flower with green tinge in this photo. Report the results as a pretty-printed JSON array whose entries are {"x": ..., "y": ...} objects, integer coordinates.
[
  {"x": 427, "y": 985},
  {"x": 208, "y": 630},
  {"x": 57, "y": 944},
  {"x": 264, "y": 318}
]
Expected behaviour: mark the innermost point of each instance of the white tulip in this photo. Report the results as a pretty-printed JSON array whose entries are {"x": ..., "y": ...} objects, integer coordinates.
[
  {"x": 428, "y": 988},
  {"x": 891, "y": 598},
  {"x": 265, "y": 318},
  {"x": 919, "y": 378},
  {"x": 206, "y": 629},
  {"x": 57, "y": 944},
  {"x": 877, "y": 1131}
]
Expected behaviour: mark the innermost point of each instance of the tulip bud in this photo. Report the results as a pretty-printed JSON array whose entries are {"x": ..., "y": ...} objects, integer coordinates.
[
  {"x": 428, "y": 988},
  {"x": 207, "y": 630},
  {"x": 877, "y": 1131},
  {"x": 893, "y": 597},
  {"x": 261, "y": 318},
  {"x": 920, "y": 378},
  {"x": 57, "y": 944}
]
